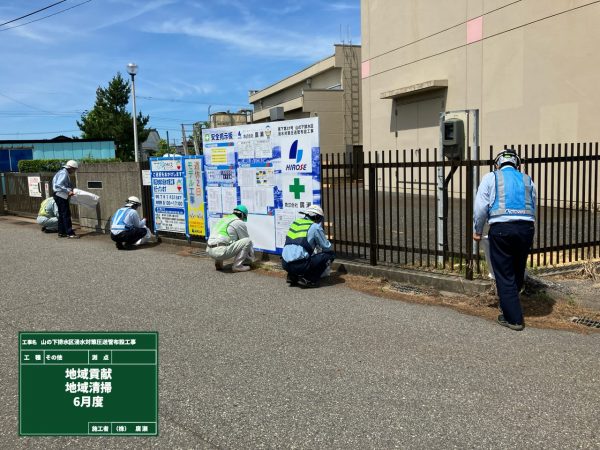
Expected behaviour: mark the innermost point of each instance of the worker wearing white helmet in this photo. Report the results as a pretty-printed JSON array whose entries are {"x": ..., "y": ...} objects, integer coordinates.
[
  {"x": 126, "y": 227},
  {"x": 506, "y": 200},
  {"x": 63, "y": 191},
  {"x": 307, "y": 253}
]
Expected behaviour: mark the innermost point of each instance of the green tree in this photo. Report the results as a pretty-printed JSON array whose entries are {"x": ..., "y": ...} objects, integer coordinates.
[
  {"x": 163, "y": 147},
  {"x": 109, "y": 119}
]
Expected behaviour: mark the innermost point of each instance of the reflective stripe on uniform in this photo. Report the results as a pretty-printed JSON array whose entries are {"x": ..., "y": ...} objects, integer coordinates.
[
  {"x": 299, "y": 228},
  {"x": 118, "y": 222},
  {"x": 298, "y": 234},
  {"x": 513, "y": 205}
]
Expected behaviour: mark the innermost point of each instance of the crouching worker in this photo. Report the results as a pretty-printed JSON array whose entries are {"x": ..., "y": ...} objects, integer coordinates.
[
  {"x": 127, "y": 228},
  {"x": 48, "y": 216},
  {"x": 229, "y": 239},
  {"x": 307, "y": 253}
]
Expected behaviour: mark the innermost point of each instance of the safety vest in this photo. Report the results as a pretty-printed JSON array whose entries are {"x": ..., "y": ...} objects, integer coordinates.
[
  {"x": 223, "y": 224},
  {"x": 298, "y": 234},
  {"x": 514, "y": 194},
  {"x": 118, "y": 221},
  {"x": 44, "y": 208}
]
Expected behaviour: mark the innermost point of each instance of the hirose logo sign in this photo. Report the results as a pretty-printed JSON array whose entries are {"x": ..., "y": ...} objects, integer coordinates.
[{"x": 296, "y": 155}]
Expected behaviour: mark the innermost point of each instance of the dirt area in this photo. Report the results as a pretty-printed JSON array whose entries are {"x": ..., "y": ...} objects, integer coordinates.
[{"x": 548, "y": 302}]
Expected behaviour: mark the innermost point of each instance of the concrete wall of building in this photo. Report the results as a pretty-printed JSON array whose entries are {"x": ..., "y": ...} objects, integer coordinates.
[
  {"x": 119, "y": 181},
  {"x": 331, "y": 118},
  {"x": 225, "y": 119},
  {"x": 329, "y": 89},
  {"x": 528, "y": 66},
  {"x": 325, "y": 80}
]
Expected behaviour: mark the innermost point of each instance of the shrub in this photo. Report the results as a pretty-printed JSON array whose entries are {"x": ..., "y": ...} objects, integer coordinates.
[{"x": 52, "y": 165}]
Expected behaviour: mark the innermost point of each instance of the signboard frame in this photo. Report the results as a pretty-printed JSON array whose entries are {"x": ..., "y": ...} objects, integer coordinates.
[
  {"x": 261, "y": 156},
  {"x": 181, "y": 210},
  {"x": 57, "y": 348}
]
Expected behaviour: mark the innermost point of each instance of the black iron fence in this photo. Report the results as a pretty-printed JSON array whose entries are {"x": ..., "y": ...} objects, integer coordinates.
[
  {"x": 394, "y": 213},
  {"x": 386, "y": 207}
]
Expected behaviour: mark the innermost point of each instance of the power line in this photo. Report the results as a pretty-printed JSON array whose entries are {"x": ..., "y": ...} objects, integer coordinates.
[
  {"x": 45, "y": 17},
  {"x": 173, "y": 100},
  {"x": 32, "y": 13},
  {"x": 24, "y": 104}
]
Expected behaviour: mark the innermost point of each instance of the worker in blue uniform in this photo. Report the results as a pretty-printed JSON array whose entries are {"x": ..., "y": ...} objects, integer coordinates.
[
  {"x": 126, "y": 227},
  {"x": 63, "y": 191},
  {"x": 506, "y": 199},
  {"x": 307, "y": 253}
]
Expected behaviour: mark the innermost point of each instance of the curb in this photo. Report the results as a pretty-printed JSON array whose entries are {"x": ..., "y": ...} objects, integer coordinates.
[{"x": 440, "y": 282}]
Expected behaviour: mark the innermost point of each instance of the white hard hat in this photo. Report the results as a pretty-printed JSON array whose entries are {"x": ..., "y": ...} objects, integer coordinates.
[
  {"x": 313, "y": 210},
  {"x": 71, "y": 164},
  {"x": 507, "y": 156},
  {"x": 133, "y": 201}
]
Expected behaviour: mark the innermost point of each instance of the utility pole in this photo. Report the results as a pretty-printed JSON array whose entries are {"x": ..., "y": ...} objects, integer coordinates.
[{"x": 184, "y": 139}]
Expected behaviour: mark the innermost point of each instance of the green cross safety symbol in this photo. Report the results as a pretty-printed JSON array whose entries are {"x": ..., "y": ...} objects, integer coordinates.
[{"x": 297, "y": 188}]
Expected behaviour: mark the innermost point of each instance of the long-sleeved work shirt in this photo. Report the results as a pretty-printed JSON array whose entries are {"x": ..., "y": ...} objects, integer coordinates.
[
  {"x": 126, "y": 219},
  {"x": 48, "y": 208},
  {"x": 236, "y": 230},
  {"x": 316, "y": 238},
  {"x": 486, "y": 195},
  {"x": 61, "y": 184}
]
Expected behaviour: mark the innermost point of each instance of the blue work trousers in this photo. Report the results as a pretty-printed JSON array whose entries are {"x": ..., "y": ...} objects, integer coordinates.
[
  {"x": 65, "y": 225},
  {"x": 129, "y": 237},
  {"x": 510, "y": 244},
  {"x": 310, "y": 268}
]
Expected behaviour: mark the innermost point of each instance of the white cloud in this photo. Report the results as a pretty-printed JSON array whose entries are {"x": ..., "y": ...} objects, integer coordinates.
[
  {"x": 342, "y": 6},
  {"x": 128, "y": 11},
  {"x": 252, "y": 38}
]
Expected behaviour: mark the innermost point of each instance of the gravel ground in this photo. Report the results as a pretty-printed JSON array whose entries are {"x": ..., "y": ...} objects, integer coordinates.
[{"x": 248, "y": 362}]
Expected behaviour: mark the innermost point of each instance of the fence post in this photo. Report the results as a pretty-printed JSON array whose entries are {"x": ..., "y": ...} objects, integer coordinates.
[
  {"x": 373, "y": 214},
  {"x": 469, "y": 195}
]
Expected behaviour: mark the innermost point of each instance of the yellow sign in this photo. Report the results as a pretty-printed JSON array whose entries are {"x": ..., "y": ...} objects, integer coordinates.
[
  {"x": 195, "y": 197},
  {"x": 219, "y": 155}
]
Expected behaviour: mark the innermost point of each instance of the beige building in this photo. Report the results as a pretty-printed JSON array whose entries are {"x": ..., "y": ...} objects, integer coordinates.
[
  {"x": 229, "y": 119},
  {"x": 529, "y": 67},
  {"x": 328, "y": 89}
]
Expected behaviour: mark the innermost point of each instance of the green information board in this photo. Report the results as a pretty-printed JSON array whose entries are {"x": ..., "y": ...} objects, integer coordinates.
[{"x": 87, "y": 383}]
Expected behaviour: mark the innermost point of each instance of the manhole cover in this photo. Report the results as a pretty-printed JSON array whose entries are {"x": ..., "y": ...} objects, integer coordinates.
[
  {"x": 404, "y": 289},
  {"x": 201, "y": 253},
  {"x": 586, "y": 321}
]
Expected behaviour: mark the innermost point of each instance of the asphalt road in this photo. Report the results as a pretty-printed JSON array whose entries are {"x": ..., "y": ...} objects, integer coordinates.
[{"x": 248, "y": 362}]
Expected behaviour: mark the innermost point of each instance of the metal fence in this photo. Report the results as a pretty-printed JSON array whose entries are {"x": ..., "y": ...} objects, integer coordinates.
[
  {"x": 17, "y": 198},
  {"x": 383, "y": 208}
]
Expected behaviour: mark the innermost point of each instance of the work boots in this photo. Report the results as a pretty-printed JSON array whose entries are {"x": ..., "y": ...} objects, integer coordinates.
[{"x": 238, "y": 265}]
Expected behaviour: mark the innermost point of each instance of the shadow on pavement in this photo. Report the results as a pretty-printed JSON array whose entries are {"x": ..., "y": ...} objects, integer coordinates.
[
  {"x": 535, "y": 300},
  {"x": 333, "y": 279}
]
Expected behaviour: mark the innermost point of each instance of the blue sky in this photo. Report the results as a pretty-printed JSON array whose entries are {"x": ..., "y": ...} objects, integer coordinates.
[{"x": 191, "y": 54}]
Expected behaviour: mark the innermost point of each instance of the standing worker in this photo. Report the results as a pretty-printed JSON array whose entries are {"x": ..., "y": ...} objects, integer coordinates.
[
  {"x": 63, "y": 191},
  {"x": 506, "y": 198},
  {"x": 126, "y": 227},
  {"x": 299, "y": 259},
  {"x": 48, "y": 216},
  {"x": 229, "y": 238}
]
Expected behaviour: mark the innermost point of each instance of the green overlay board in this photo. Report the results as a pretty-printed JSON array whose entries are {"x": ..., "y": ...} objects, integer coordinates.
[{"x": 88, "y": 383}]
